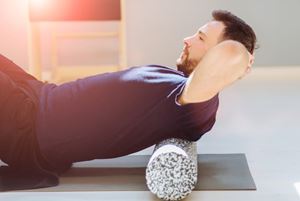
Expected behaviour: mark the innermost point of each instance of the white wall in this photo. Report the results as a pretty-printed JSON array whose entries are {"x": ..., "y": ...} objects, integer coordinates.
[{"x": 166, "y": 22}]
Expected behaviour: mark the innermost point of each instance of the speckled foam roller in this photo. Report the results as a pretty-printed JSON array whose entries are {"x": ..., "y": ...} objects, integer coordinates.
[{"x": 171, "y": 173}]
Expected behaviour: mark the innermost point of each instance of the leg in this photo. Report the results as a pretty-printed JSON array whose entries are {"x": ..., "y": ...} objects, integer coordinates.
[
  {"x": 15, "y": 72},
  {"x": 221, "y": 66}
]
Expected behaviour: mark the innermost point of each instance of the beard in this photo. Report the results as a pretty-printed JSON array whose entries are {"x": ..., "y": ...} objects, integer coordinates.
[{"x": 185, "y": 64}]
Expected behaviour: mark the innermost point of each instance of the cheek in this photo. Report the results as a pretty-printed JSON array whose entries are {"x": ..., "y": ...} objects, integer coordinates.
[{"x": 198, "y": 52}]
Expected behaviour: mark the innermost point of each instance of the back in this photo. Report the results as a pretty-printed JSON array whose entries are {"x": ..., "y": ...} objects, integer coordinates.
[{"x": 116, "y": 114}]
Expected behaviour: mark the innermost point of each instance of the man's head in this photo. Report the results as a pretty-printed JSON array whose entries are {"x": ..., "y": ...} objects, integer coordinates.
[{"x": 224, "y": 26}]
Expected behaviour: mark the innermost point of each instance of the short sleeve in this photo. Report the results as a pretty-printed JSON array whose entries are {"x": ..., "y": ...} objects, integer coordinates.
[{"x": 194, "y": 119}]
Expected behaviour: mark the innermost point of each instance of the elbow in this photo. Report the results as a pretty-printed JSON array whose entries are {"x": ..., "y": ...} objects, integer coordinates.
[
  {"x": 233, "y": 60},
  {"x": 234, "y": 51}
]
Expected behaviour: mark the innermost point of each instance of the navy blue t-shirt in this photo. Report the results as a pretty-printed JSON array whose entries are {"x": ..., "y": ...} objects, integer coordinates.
[{"x": 115, "y": 114}]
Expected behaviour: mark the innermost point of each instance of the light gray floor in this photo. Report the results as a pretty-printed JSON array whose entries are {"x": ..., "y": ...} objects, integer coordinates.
[{"x": 258, "y": 116}]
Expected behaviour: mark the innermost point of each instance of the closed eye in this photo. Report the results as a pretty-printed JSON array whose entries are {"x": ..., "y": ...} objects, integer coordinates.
[{"x": 201, "y": 35}]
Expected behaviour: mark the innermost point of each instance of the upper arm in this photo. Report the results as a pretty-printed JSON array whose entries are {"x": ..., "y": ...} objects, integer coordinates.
[{"x": 221, "y": 66}]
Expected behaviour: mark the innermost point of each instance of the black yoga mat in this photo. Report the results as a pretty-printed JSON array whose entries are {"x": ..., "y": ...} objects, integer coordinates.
[{"x": 215, "y": 172}]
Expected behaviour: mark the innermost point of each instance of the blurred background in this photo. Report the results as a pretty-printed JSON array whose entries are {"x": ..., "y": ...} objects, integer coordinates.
[
  {"x": 258, "y": 116},
  {"x": 154, "y": 31}
]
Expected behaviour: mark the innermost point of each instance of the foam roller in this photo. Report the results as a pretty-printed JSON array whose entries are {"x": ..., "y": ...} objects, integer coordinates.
[{"x": 171, "y": 173}]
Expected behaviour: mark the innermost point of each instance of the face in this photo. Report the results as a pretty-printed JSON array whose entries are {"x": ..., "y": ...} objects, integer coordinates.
[{"x": 197, "y": 45}]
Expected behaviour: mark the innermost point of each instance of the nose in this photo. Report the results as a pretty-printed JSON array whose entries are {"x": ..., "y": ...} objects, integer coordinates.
[{"x": 187, "y": 40}]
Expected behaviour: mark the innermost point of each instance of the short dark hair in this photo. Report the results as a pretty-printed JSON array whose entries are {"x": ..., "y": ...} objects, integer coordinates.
[{"x": 236, "y": 29}]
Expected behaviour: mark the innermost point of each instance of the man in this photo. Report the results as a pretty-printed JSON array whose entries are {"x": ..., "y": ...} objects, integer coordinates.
[{"x": 45, "y": 128}]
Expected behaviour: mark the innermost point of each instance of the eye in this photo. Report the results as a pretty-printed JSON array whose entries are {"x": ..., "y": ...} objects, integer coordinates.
[{"x": 200, "y": 37}]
